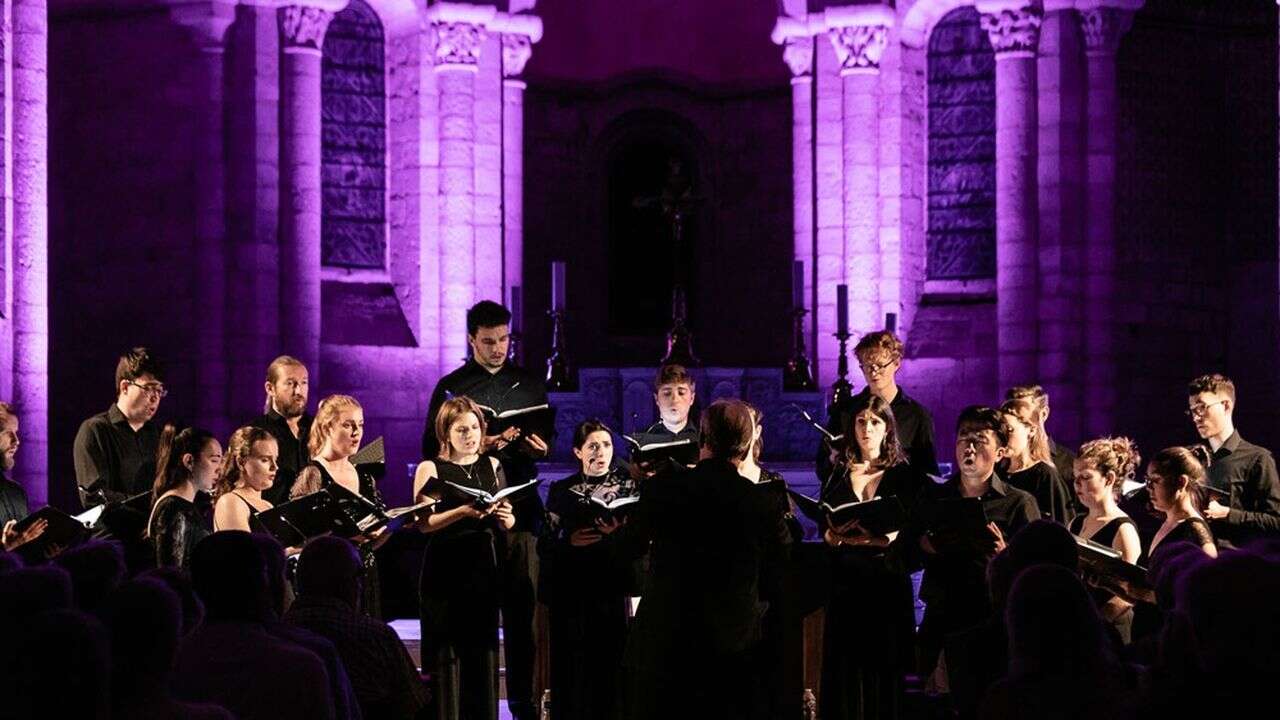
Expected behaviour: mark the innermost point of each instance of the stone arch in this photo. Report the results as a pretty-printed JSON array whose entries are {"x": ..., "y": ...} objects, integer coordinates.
[{"x": 918, "y": 22}]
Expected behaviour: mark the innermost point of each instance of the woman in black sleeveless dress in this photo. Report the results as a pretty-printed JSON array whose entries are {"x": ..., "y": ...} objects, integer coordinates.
[
  {"x": 584, "y": 580},
  {"x": 1100, "y": 472},
  {"x": 248, "y": 468},
  {"x": 867, "y": 643},
  {"x": 460, "y": 583},
  {"x": 335, "y": 436}
]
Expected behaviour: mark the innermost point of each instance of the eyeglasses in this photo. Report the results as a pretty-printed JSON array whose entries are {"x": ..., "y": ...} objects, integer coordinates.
[
  {"x": 875, "y": 368},
  {"x": 1200, "y": 410},
  {"x": 153, "y": 389}
]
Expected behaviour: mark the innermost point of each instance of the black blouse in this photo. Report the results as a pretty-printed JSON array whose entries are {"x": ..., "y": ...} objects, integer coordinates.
[
  {"x": 176, "y": 526},
  {"x": 1046, "y": 486}
]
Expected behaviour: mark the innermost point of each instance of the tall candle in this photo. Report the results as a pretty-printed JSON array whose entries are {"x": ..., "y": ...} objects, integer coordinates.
[
  {"x": 842, "y": 308},
  {"x": 557, "y": 285},
  {"x": 797, "y": 285},
  {"x": 516, "y": 320}
]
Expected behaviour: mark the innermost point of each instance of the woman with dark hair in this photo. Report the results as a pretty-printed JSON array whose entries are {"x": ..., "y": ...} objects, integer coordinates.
[
  {"x": 187, "y": 463},
  {"x": 584, "y": 579},
  {"x": 335, "y": 436},
  {"x": 1175, "y": 479},
  {"x": 461, "y": 578},
  {"x": 248, "y": 468},
  {"x": 870, "y": 617}
]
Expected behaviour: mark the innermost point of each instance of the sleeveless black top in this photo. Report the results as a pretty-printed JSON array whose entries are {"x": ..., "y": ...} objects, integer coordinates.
[
  {"x": 255, "y": 525},
  {"x": 371, "y": 599},
  {"x": 460, "y": 588}
]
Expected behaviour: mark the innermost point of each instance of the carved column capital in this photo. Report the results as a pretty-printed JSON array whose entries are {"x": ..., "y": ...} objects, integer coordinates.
[
  {"x": 1103, "y": 27},
  {"x": 516, "y": 50},
  {"x": 797, "y": 53},
  {"x": 302, "y": 27},
  {"x": 457, "y": 44},
  {"x": 859, "y": 47},
  {"x": 1014, "y": 32}
]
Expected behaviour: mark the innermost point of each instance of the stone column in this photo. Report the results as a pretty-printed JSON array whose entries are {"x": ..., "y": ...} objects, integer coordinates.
[
  {"x": 302, "y": 29},
  {"x": 209, "y": 25},
  {"x": 457, "y": 54},
  {"x": 516, "y": 50},
  {"x": 1103, "y": 27},
  {"x": 1060, "y": 89},
  {"x": 30, "y": 43},
  {"x": 1014, "y": 30},
  {"x": 859, "y": 48},
  {"x": 798, "y": 54}
]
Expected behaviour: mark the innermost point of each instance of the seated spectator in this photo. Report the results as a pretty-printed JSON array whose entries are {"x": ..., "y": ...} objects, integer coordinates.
[
  {"x": 345, "y": 705},
  {"x": 9, "y": 562},
  {"x": 180, "y": 584},
  {"x": 232, "y": 660},
  {"x": 1061, "y": 669},
  {"x": 29, "y": 591},
  {"x": 144, "y": 618},
  {"x": 54, "y": 666},
  {"x": 96, "y": 569},
  {"x": 977, "y": 657},
  {"x": 386, "y": 683}
]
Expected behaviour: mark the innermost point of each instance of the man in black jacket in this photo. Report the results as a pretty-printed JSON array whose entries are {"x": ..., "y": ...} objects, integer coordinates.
[
  {"x": 490, "y": 379},
  {"x": 694, "y": 649},
  {"x": 288, "y": 421}
]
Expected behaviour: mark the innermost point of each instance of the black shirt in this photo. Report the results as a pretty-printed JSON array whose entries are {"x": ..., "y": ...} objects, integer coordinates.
[
  {"x": 914, "y": 426},
  {"x": 1042, "y": 481},
  {"x": 293, "y": 452},
  {"x": 949, "y": 578},
  {"x": 112, "y": 459},
  {"x": 13, "y": 501},
  {"x": 1249, "y": 473}
]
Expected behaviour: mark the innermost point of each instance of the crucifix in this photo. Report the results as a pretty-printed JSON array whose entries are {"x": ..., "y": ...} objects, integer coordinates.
[{"x": 677, "y": 202}]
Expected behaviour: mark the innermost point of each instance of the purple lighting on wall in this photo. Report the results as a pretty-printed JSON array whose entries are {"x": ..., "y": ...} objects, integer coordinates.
[{"x": 557, "y": 285}]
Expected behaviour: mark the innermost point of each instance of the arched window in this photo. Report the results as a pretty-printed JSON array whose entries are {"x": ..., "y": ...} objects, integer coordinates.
[
  {"x": 961, "y": 234},
  {"x": 353, "y": 226}
]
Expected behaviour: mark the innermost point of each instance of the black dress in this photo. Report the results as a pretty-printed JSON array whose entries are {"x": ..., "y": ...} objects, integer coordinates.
[
  {"x": 176, "y": 526},
  {"x": 1046, "y": 486},
  {"x": 460, "y": 593},
  {"x": 870, "y": 618},
  {"x": 585, "y": 589},
  {"x": 1194, "y": 530},
  {"x": 782, "y": 641},
  {"x": 1106, "y": 535},
  {"x": 371, "y": 599}
]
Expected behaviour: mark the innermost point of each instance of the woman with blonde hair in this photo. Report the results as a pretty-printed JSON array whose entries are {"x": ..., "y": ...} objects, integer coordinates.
[
  {"x": 1030, "y": 463},
  {"x": 1101, "y": 469},
  {"x": 335, "y": 436},
  {"x": 461, "y": 576}
]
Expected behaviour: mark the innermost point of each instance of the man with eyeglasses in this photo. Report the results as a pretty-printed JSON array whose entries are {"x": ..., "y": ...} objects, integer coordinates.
[
  {"x": 1242, "y": 474},
  {"x": 115, "y": 450},
  {"x": 879, "y": 356}
]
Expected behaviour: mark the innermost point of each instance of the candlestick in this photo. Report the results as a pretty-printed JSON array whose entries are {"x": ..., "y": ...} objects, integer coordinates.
[
  {"x": 557, "y": 285},
  {"x": 842, "y": 309},
  {"x": 517, "y": 321}
]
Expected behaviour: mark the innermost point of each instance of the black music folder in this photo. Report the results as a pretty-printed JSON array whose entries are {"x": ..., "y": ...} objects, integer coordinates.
[
  {"x": 64, "y": 531},
  {"x": 877, "y": 516},
  {"x": 1106, "y": 568},
  {"x": 646, "y": 448}
]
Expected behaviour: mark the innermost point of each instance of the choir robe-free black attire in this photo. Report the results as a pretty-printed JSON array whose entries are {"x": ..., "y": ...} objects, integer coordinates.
[
  {"x": 954, "y": 586},
  {"x": 509, "y": 387},
  {"x": 1106, "y": 535},
  {"x": 1248, "y": 472},
  {"x": 13, "y": 501},
  {"x": 371, "y": 597},
  {"x": 1046, "y": 486},
  {"x": 460, "y": 592},
  {"x": 870, "y": 617},
  {"x": 1194, "y": 530},
  {"x": 177, "y": 524},
  {"x": 914, "y": 426},
  {"x": 585, "y": 590},
  {"x": 293, "y": 456},
  {"x": 695, "y": 644}
]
